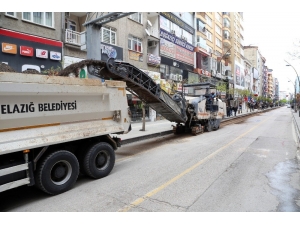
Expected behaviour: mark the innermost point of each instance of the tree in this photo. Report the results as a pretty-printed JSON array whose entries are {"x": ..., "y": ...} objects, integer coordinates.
[{"x": 144, "y": 115}]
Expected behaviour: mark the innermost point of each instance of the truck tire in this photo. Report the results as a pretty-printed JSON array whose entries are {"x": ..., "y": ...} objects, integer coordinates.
[
  {"x": 57, "y": 172},
  {"x": 209, "y": 126},
  {"x": 99, "y": 160}
]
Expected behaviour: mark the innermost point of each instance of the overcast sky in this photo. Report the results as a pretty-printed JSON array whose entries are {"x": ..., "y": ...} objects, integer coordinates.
[{"x": 274, "y": 34}]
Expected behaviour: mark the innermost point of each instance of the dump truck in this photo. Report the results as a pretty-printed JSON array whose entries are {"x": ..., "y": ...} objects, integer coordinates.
[{"x": 52, "y": 128}]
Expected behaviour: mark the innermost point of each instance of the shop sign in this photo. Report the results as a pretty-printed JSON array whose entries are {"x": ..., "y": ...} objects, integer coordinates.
[
  {"x": 26, "y": 51},
  {"x": 110, "y": 51},
  {"x": 173, "y": 51},
  {"x": 237, "y": 75},
  {"x": 153, "y": 59},
  {"x": 176, "y": 40},
  {"x": 9, "y": 48},
  {"x": 41, "y": 53},
  {"x": 55, "y": 55},
  {"x": 136, "y": 56},
  {"x": 167, "y": 48}
]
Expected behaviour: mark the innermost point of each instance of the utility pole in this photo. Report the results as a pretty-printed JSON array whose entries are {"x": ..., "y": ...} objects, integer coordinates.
[{"x": 295, "y": 104}]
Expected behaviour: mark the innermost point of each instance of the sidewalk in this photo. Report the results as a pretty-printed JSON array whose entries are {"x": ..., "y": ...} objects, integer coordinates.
[{"x": 296, "y": 120}]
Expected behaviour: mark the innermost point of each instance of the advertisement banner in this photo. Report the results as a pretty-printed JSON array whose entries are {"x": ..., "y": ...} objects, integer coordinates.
[
  {"x": 237, "y": 75},
  {"x": 26, "y": 51},
  {"x": 174, "y": 51},
  {"x": 41, "y": 53},
  {"x": 153, "y": 59},
  {"x": 136, "y": 56},
  {"x": 167, "y": 48},
  {"x": 55, "y": 55},
  {"x": 111, "y": 51},
  {"x": 242, "y": 79},
  {"x": 9, "y": 48},
  {"x": 176, "y": 40}
]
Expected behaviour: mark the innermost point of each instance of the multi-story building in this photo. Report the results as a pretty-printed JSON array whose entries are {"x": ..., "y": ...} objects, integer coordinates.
[
  {"x": 253, "y": 54},
  {"x": 270, "y": 84},
  {"x": 276, "y": 89},
  {"x": 177, "y": 46},
  {"x": 134, "y": 39},
  {"x": 31, "y": 40},
  {"x": 212, "y": 52},
  {"x": 248, "y": 71},
  {"x": 237, "y": 52}
]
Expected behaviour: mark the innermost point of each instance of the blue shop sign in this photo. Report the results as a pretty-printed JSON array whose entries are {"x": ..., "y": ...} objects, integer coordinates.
[{"x": 175, "y": 40}]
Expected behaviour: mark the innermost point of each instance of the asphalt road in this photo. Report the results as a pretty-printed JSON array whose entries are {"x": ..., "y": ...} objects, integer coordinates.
[{"x": 245, "y": 167}]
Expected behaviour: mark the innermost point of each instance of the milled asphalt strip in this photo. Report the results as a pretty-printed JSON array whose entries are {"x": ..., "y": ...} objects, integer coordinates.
[
  {"x": 163, "y": 133},
  {"x": 163, "y": 186}
]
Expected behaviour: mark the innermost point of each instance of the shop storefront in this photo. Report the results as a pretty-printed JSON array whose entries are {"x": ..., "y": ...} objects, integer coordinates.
[
  {"x": 177, "y": 52},
  {"x": 23, "y": 51}
]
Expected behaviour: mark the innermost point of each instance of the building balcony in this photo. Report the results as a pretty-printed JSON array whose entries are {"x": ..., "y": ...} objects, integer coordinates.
[
  {"x": 74, "y": 37},
  {"x": 226, "y": 15},
  {"x": 226, "y": 43},
  {"x": 226, "y": 27}
]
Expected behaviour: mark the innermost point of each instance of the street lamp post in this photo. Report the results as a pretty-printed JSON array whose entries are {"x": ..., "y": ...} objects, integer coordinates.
[
  {"x": 294, "y": 96},
  {"x": 295, "y": 84}
]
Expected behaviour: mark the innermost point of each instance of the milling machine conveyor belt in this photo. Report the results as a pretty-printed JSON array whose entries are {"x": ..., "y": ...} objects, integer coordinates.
[{"x": 138, "y": 83}]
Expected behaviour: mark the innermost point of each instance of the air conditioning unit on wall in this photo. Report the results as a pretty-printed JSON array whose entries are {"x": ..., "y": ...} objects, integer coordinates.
[{"x": 152, "y": 44}]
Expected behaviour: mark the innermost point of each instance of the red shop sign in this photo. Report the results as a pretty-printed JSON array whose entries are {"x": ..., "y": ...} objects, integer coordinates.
[{"x": 26, "y": 51}]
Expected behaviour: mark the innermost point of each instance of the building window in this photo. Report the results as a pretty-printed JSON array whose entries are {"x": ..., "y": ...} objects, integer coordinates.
[
  {"x": 209, "y": 49},
  {"x": 218, "y": 29},
  {"x": 188, "y": 36},
  {"x": 226, "y": 23},
  {"x": 218, "y": 42},
  {"x": 208, "y": 20},
  {"x": 13, "y": 14},
  {"x": 200, "y": 26},
  {"x": 42, "y": 18},
  {"x": 209, "y": 36},
  {"x": 136, "y": 17},
  {"x": 135, "y": 44},
  {"x": 71, "y": 25},
  {"x": 165, "y": 24},
  {"x": 108, "y": 35},
  {"x": 218, "y": 17},
  {"x": 177, "y": 29}
]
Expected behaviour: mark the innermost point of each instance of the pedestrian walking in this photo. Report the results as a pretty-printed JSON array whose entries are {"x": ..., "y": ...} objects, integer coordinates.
[
  {"x": 240, "y": 108},
  {"x": 235, "y": 110},
  {"x": 228, "y": 110}
]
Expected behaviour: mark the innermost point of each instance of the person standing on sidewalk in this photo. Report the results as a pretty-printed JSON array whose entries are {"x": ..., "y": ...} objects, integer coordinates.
[
  {"x": 240, "y": 108},
  {"x": 228, "y": 110}
]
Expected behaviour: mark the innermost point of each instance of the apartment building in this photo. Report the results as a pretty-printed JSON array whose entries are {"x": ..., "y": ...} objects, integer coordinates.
[
  {"x": 276, "y": 89},
  {"x": 176, "y": 48},
  {"x": 31, "y": 40},
  {"x": 236, "y": 50},
  {"x": 270, "y": 93},
  {"x": 253, "y": 54},
  {"x": 133, "y": 39},
  {"x": 211, "y": 51}
]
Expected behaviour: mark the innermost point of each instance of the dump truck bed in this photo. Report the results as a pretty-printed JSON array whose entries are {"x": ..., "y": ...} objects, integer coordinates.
[{"x": 40, "y": 110}]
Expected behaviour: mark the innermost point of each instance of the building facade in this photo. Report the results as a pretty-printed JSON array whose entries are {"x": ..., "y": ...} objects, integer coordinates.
[{"x": 31, "y": 40}]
